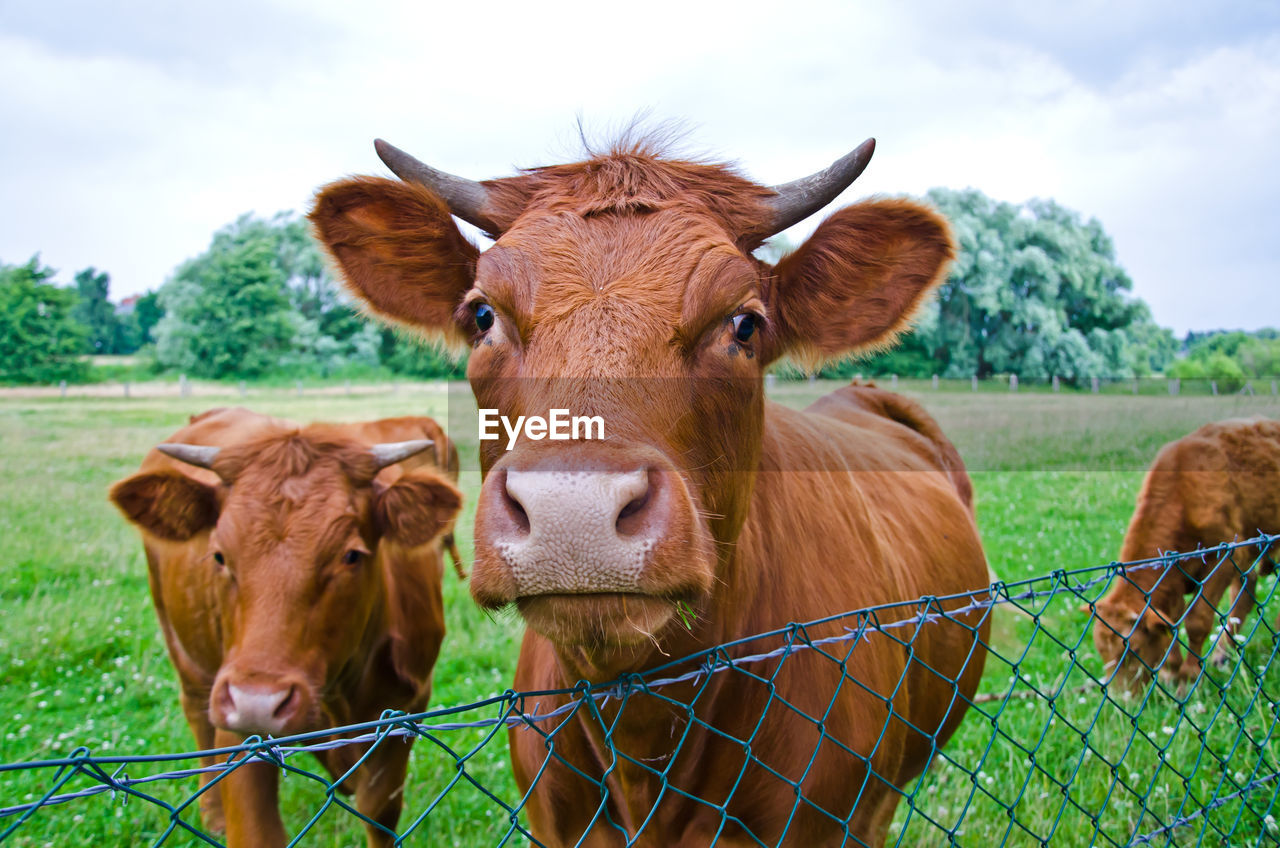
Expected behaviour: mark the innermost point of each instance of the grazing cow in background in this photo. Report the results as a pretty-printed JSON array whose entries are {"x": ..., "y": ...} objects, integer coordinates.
[
  {"x": 1219, "y": 484},
  {"x": 296, "y": 572},
  {"x": 625, "y": 287}
]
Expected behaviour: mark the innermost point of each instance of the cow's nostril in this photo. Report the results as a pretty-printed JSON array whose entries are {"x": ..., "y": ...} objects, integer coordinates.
[
  {"x": 634, "y": 516},
  {"x": 515, "y": 510},
  {"x": 633, "y": 508},
  {"x": 287, "y": 704}
]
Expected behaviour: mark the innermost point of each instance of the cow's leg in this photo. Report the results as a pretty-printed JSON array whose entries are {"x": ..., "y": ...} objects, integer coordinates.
[
  {"x": 871, "y": 819},
  {"x": 195, "y": 705},
  {"x": 1241, "y": 605},
  {"x": 1203, "y": 616},
  {"x": 380, "y": 788},
  {"x": 250, "y": 799}
]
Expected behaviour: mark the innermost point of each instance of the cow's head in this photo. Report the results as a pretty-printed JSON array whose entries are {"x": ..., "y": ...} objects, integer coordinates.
[
  {"x": 625, "y": 287},
  {"x": 1135, "y": 643},
  {"x": 305, "y": 550}
]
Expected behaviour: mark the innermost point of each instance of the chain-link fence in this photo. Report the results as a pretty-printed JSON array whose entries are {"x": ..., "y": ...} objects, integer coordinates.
[{"x": 1164, "y": 741}]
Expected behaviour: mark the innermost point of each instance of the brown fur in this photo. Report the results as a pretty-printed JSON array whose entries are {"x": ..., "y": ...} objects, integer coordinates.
[
  {"x": 1219, "y": 484},
  {"x": 282, "y": 506},
  {"x": 614, "y": 284}
]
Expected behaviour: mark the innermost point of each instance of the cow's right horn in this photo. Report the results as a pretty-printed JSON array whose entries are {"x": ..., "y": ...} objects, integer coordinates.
[
  {"x": 800, "y": 198},
  {"x": 389, "y": 453},
  {"x": 466, "y": 199},
  {"x": 201, "y": 456}
]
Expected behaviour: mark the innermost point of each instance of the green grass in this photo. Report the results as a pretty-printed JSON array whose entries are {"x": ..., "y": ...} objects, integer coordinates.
[{"x": 82, "y": 664}]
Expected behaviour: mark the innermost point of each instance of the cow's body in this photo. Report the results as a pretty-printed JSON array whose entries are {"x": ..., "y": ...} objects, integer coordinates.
[
  {"x": 625, "y": 287},
  {"x": 279, "y": 622},
  {"x": 1218, "y": 484},
  {"x": 848, "y": 533}
]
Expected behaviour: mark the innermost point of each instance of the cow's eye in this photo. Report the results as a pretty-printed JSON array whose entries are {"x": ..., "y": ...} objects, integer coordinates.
[
  {"x": 219, "y": 558},
  {"x": 484, "y": 316},
  {"x": 352, "y": 557},
  {"x": 744, "y": 326}
]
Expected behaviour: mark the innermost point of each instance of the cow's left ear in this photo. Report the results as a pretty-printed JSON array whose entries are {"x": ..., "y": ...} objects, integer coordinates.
[
  {"x": 858, "y": 280},
  {"x": 416, "y": 508}
]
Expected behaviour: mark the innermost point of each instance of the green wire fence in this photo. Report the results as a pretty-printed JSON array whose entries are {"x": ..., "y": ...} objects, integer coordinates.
[{"x": 1058, "y": 747}]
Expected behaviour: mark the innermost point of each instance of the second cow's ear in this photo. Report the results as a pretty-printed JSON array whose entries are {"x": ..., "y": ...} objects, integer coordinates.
[
  {"x": 399, "y": 250},
  {"x": 416, "y": 508},
  {"x": 858, "y": 280},
  {"x": 167, "y": 504}
]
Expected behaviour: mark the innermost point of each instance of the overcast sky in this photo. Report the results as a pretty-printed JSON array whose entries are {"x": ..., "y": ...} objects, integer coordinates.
[{"x": 133, "y": 129}]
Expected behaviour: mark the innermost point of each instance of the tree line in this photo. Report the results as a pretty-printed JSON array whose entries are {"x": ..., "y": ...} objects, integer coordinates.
[
  {"x": 1036, "y": 291},
  {"x": 259, "y": 302}
]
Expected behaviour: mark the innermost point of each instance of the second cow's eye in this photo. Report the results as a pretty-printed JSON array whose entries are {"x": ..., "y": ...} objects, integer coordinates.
[
  {"x": 744, "y": 326},
  {"x": 352, "y": 557},
  {"x": 484, "y": 317}
]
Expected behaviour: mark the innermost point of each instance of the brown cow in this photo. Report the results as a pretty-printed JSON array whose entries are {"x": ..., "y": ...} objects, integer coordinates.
[
  {"x": 625, "y": 287},
  {"x": 296, "y": 572},
  {"x": 1219, "y": 484}
]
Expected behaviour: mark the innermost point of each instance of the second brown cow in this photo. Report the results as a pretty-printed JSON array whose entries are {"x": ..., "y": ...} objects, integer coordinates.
[{"x": 296, "y": 572}]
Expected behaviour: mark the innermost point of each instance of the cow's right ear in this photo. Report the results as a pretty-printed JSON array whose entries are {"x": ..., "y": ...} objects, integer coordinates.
[
  {"x": 166, "y": 504},
  {"x": 399, "y": 250}
]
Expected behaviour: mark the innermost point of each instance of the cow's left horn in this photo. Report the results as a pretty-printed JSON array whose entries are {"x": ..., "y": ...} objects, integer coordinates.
[
  {"x": 389, "y": 453},
  {"x": 201, "y": 456},
  {"x": 466, "y": 198},
  {"x": 799, "y": 199}
]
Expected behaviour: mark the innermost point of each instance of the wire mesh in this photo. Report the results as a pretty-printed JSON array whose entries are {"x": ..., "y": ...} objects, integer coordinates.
[{"x": 1167, "y": 745}]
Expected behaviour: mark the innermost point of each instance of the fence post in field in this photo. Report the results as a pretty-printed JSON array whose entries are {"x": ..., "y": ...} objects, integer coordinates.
[
  {"x": 893, "y": 381},
  {"x": 395, "y": 387},
  {"x": 299, "y": 384},
  {"x": 1213, "y": 386},
  {"x": 347, "y": 384},
  {"x": 1135, "y": 385},
  {"x": 62, "y": 388},
  {"x": 1273, "y": 387},
  {"x": 1174, "y": 386},
  {"x": 1013, "y": 382},
  {"x": 244, "y": 390},
  {"x": 935, "y": 382},
  {"x": 184, "y": 389},
  {"x": 126, "y": 388},
  {"x": 770, "y": 380},
  {"x": 1093, "y": 384},
  {"x": 973, "y": 383},
  {"x": 813, "y": 379},
  {"x": 1056, "y": 385}
]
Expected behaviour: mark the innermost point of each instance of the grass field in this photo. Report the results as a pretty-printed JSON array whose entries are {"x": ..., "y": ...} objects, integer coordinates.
[{"x": 82, "y": 664}]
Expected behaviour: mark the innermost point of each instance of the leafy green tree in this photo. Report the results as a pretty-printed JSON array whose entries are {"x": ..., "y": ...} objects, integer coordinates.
[
  {"x": 147, "y": 312},
  {"x": 96, "y": 313},
  {"x": 1260, "y": 357},
  {"x": 1213, "y": 365},
  {"x": 39, "y": 339},
  {"x": 411, "y": 356},
  {"x": 1230, "y": 358},
  {"x": 227, "y": 311},
  {"x": 261, "y": 300},
  {"x": 1034, "y": 291}
]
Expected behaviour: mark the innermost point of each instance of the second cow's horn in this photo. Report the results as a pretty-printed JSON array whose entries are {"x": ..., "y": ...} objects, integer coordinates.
[
  {"x": 389, "y": 453},
  {"x": 201, "y": 456}
]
